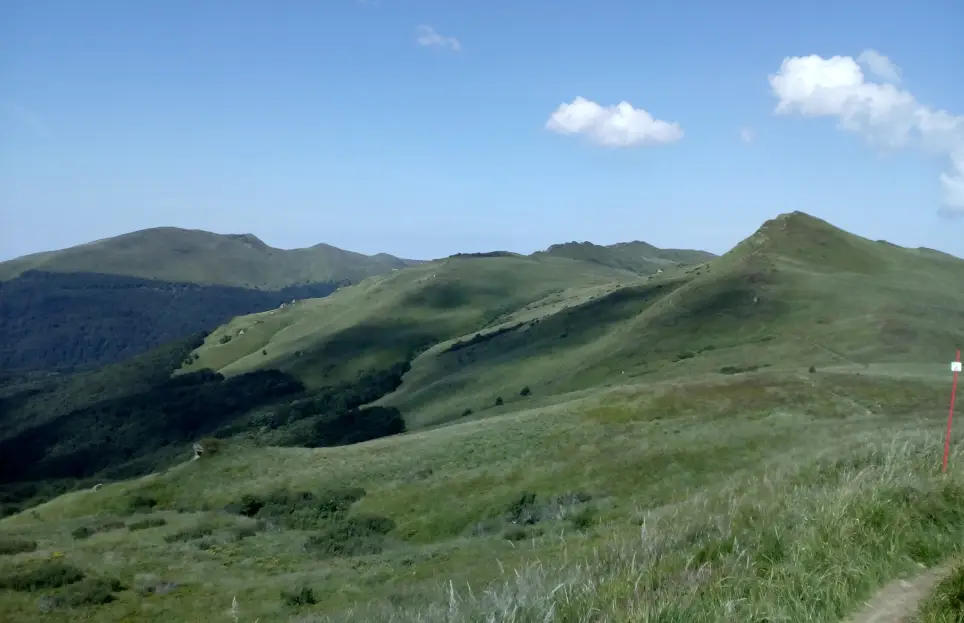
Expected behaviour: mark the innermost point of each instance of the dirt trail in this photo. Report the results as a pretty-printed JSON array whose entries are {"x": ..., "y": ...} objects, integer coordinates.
[{"x": 898, "y": 601}]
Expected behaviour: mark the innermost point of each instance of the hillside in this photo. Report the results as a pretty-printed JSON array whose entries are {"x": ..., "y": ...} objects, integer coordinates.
[
  {"x": 638, "y": 257},
  {"x": 389, "y": 319},
  {"x": 798, "y": 292},
  {"x": 194, "y": 256},
  {"x": 719, "y": 442}
]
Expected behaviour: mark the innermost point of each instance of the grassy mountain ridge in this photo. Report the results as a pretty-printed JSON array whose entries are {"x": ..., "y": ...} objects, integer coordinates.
[
  {"x": 798, "y": 287},
  {"x": 638, "y": 257},
  {"x": 195, "y": 256}
]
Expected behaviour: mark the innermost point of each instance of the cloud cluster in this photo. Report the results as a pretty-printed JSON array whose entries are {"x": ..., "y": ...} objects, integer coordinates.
[
  {"x": 428, "y": 37},
  {"x": 888, "y": 116},
  {"x": 612, "y": 126}
]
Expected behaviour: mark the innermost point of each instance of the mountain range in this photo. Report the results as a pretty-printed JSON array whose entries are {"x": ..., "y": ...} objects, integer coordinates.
[{"x": 373, "y": 427}]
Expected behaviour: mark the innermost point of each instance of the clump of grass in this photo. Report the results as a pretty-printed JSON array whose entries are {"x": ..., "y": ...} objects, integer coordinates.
[
  {"x": 145, "y": 524},
  {"x": 10, "y": 546},
  {"x": 303, "y": 597},
  {"x": 40, "y": 574}
]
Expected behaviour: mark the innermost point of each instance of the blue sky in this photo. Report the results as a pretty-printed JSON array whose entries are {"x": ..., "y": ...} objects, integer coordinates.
[{"x": 329, "y": 121}]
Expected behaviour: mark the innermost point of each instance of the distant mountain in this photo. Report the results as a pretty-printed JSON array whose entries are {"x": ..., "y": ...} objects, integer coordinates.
[
  {"x": 194, "y": 256},
  {"x": 638, "y": 257}
]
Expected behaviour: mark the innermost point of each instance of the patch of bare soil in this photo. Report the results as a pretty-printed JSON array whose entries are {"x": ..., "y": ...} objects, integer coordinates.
[{"x": 899, "y": 601}]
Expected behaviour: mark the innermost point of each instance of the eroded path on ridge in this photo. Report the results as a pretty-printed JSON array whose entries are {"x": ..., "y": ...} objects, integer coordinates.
[{"x": 899, "y": 601}]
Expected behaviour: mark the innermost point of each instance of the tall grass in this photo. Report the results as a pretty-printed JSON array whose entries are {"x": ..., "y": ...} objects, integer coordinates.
[{"x": 799, "y": 543}]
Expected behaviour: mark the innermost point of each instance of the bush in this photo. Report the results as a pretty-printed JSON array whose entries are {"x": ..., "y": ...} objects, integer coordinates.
[
  {"x": 525, "y": 391},
  {"x": 88, "y": 531},
  {"x": 224, "y": 339},
  {"x": 299, "y": 510},
  {"x": 38, "y": 575},
  {"x": 467, "y": 413},
  {"x": 351, "y": 536},
  {"x": 498, "y": 401},
  {"x": 144, "y": 524},
  {"x": 91, "y": 592},
  {"x": 139, "y": 504},
  {"x": 190, "y": 534},
  {"x": 304, "y": 597},
  {"x": 9, "y": 546},
  {"x": 812, "y": 369}
]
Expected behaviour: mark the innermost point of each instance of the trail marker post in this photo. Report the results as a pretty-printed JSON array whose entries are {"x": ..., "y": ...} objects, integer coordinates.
[{"x": 956, "y": 369}]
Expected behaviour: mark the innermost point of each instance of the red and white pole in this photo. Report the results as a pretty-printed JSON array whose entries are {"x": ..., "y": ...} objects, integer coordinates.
[{"x": 956, "y": 368}]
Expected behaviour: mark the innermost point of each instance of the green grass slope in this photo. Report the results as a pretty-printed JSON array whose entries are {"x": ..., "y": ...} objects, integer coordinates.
[
  {"x": 798, "y": 292},
  {"x": 770, "y": 496},
  {"x": 391, "y": 318},
  {"x": 194, "y": 256},
  {"x": 638, "y": 257}
]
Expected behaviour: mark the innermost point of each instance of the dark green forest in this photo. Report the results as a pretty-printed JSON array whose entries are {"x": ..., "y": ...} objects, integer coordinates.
[
  {"x": 69, "y": 321},
  {"x": 59, "y": 432}
]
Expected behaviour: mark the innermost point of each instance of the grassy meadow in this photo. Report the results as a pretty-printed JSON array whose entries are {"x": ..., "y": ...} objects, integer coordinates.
[{"x": 757, "y": 497}]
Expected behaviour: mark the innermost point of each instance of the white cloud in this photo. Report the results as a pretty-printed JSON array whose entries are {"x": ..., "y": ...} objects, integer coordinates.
[
  {"x": 879, "y": 65},
  {"x": 885, "y": 114},
  {"x": 747, "y": 135},
  {"x": 953, "y": 183},
  {"x": 612, "y": 126},
  {"x": 428, "y": 37}
]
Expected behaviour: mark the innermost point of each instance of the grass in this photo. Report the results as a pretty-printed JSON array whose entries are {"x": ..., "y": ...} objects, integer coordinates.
[
  {"x": 946, "y": 604},
  {"x": 719, "y": 500}
]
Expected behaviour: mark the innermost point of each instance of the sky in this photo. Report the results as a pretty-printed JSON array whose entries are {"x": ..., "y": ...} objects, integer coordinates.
[{"x": 423, "y": 128}]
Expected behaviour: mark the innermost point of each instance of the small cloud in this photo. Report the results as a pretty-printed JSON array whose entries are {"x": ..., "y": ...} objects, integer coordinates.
[
  {"x": 747, "y": 135},
  {"x": 879, "y": 65},
  {"x": 428, "y": 37},
  {"x": 612, "y": 126}
]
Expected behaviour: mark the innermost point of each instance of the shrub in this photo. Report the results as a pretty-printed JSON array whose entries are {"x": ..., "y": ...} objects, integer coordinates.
[
  {"x": 515, "y": 532},
  {"x": 190, "y": 534},
  {"x": 467, "y": 413},
  {"x": 224, "y": 339},
  {"x": 812, "y": 369},
  {"x": 525, "y": 391},
  {"x": 304, "y": 597},
  {"x": 351, "y": 536},
  {"x": 299, "y": 510},
  {"x": 92, "y": 592},
  {"x": 144, "y": 524},
  {"x": 38, "y": 575},
  {"x": 685, "y": 355},
  {"x": 499, "y": 401},
  {"x": 139, "y": 504},
  {"x": 87, "y": 531},
  {"x": 9, "y": 546}
]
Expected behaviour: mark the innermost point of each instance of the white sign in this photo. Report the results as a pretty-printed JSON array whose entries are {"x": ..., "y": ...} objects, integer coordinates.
[{"x": 955, "y": 366}]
